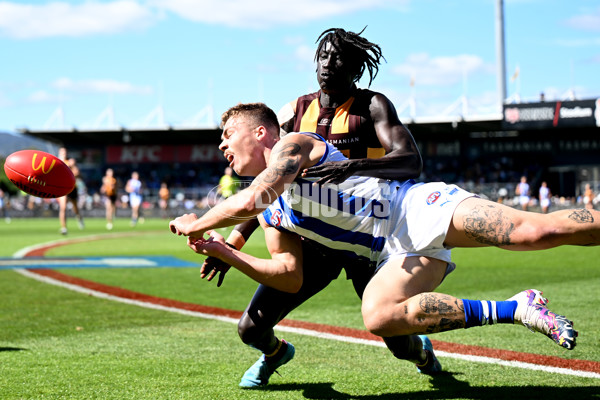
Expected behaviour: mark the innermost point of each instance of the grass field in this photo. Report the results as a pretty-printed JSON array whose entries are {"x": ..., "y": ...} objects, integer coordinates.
[{"x": 60, "y": 344}]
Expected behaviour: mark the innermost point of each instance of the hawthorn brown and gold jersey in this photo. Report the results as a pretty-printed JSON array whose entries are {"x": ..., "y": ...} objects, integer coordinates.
[{"x": 348, "y": 127}]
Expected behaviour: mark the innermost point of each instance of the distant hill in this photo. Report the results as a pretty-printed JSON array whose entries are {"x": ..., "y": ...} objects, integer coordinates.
[{"x": 9, "y": 143}]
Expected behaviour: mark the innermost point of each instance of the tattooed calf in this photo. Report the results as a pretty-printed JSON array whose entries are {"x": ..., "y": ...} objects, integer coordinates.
[
  {"x": 441, "y": 304},
  {"x": 435, "y": 303},
  {"x": 445, "y": 324}
]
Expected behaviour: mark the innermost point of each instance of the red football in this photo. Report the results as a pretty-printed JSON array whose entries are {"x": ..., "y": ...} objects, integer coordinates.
[{"x": 40, "y": 174}]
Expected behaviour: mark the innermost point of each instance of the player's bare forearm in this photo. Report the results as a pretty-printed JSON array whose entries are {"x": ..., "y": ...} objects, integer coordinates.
[
  {"x": 278, "y": 273},
  {"x": 285, "y": 161},
  {"x": 242, "y": 206},
  {"x": 282, "y": 272}
]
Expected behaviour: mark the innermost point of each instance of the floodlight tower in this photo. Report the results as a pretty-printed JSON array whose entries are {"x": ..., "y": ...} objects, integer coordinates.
[{"x": 500, "y": 53}]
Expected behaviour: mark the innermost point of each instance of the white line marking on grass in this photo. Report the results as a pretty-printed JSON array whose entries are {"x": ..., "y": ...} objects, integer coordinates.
[
  {"x": 304, "y": 331},
  {"x": 95, "y": 293},
  {"x": 300, "y": 331},
  {"x": 518, "y": 364}
]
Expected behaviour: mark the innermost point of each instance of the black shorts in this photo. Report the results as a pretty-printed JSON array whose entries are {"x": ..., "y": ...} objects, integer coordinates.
[
  {"x": 321, "y": 264},
  {"x": 74, "y": 195}
]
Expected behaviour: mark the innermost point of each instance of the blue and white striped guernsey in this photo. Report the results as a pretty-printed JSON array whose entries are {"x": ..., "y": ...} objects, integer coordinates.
[{"x": 352, "y": 216}]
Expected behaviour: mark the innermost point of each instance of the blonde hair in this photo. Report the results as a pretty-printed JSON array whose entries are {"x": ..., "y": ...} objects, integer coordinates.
[{"x": 255, "y": 114}]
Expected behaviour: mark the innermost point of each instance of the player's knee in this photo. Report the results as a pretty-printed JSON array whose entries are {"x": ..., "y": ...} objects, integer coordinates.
[
  {"x": 380, "y": 319},
  {"x": 248, "y": 331},
  {"x": 371, "y": 315}
]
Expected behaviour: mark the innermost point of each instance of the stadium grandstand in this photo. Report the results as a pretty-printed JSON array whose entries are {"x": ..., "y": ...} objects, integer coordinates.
[{"x": 557, "y": 142}]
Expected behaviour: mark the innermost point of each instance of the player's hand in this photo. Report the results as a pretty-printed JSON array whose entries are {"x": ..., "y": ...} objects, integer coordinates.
[
  {"x": 180, "y": 225},
  {"x": 213, "y": 266},
  {"x": 330, "y": 172},
  {"x": 213, "y": 246}
]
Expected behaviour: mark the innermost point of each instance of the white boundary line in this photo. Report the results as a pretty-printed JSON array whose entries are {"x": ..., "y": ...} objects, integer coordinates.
[{"x": 299, "y": 331}]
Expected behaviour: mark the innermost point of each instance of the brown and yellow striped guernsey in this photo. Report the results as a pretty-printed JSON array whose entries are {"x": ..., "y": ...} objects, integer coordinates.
[{"x": 348, "y": 127}]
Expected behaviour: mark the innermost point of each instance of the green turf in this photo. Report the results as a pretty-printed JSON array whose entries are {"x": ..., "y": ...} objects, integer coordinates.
[{"x": 59, "y": 344}]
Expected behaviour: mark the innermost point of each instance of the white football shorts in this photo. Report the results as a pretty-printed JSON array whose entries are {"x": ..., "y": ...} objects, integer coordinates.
[{"x": 420, "y": 219}]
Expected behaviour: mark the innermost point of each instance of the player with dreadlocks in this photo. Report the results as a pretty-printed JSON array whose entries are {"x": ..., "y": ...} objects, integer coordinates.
[
  {"x": 359, "y": 51},
  {"x": 364, "y": 125}
]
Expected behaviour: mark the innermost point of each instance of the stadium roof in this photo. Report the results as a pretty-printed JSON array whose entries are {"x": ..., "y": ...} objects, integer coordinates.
[
  {"x": 120, "y": 136},
  {"x": 183, "y": 136}
]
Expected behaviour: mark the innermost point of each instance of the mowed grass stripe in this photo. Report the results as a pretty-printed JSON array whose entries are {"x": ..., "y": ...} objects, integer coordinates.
[{"x": 580, "y": 368}]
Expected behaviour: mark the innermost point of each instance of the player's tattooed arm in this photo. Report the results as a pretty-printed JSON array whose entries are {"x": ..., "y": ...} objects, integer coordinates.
[
  {"x": 283, "y": 168},
  {"x": 581, "y": 216},
  {"x": 436, "y": 305},
  {"x": 487, "y": 225},
  {"x": 287, "y": 162}
]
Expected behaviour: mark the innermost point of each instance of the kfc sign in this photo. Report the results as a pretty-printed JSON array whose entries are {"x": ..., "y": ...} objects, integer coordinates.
[
  {"x": 163, "y": 154},
  {"x": 139, "y": 154},
  {"x": 200, "y": 153}
]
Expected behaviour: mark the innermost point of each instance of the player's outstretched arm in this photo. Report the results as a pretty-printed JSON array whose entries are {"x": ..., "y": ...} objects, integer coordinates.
[
  {"x": 401, "y": 161},
  {"x": 282, "y": 272},
  {"x": 286, "y": 159}
]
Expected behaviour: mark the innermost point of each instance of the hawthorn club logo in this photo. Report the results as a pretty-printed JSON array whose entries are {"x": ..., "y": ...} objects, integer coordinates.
[{"x": 41, "y": 165}]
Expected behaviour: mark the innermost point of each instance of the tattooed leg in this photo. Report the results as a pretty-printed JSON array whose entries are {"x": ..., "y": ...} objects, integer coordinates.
[
  {"x": 581, "y": 216},
  {"x": 488, "y": 225},
  {"x": 477, "y": 222},
  {"x": 585, "y": 225},
  {"x": 439, "y": 312},
  {"x": 424, "y": 313},
  {"x": 391, "y": 301}
]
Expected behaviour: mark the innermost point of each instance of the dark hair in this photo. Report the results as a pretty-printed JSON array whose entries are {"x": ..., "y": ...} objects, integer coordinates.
[
  {"x": 358, "y": 51},
  {"x": 257, "y": 113}
]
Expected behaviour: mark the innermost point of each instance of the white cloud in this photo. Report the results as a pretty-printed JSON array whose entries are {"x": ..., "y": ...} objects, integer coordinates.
[
  {"x": 42, "y": 96},
  {"x": 65, "y": 19},
  {"x": 100, "y": 86},
  {"x": 26, "y": 21},
  {"x": 442, "y": 71},
  {"x": 586, "y": 22},
  {"x": 266, "y": 13}
]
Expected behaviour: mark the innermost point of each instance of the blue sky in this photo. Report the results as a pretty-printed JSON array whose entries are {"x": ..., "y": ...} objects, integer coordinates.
[{"x": 119, "y": 62}]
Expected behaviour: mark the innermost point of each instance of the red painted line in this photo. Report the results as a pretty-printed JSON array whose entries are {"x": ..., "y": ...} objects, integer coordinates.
[
  {"x": 507, "y": 355},
  {"x": 131, "y": 295}
]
